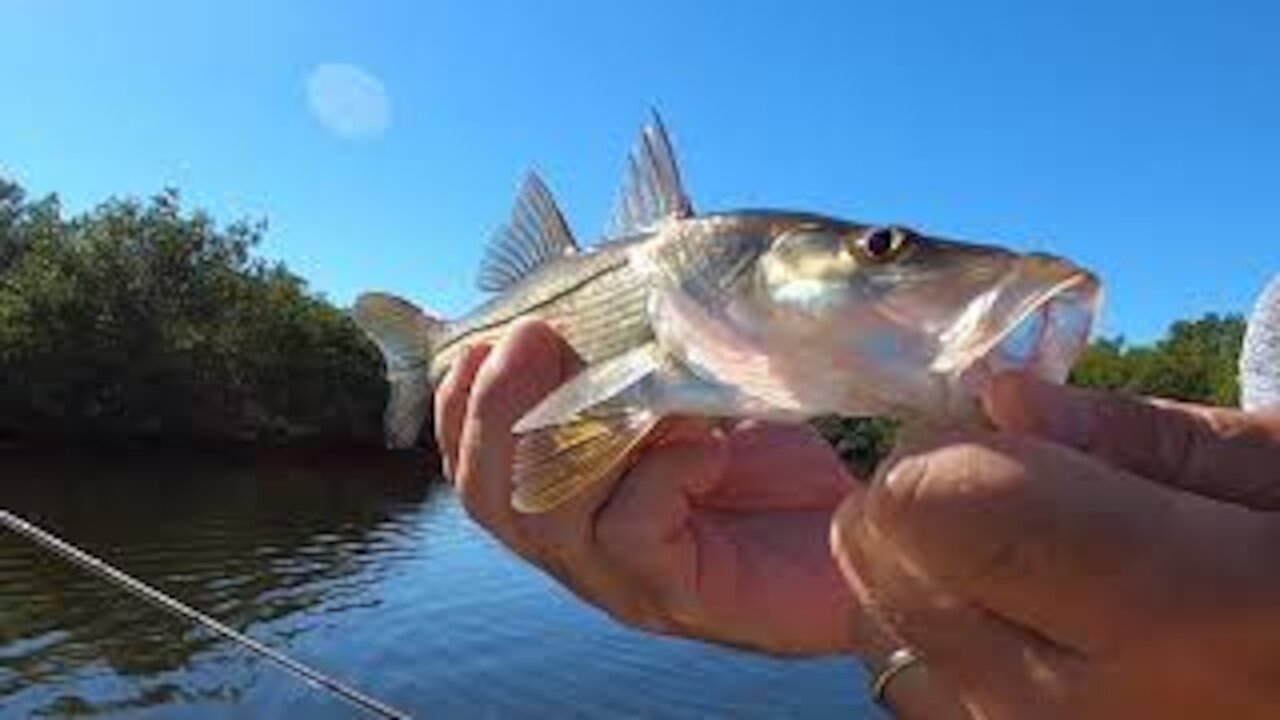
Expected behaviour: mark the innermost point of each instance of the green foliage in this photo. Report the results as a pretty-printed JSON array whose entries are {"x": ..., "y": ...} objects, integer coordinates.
[
  {"x": 140, "y": 320},
  {"x": 1196, "y": 361},
  {"x": 861, "y": 442}
]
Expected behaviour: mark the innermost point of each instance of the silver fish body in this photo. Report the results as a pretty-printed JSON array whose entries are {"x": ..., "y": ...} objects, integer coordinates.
[
  {"x": 595, "y": 301},
  {"x": 767, "y": 314}
]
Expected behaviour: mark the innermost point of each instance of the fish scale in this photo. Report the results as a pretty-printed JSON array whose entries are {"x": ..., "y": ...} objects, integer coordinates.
[{"x": 597, "y": 303}]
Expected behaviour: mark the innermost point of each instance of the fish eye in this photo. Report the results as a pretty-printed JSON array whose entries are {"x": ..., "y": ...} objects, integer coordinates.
[{"x": 884, "y": 243}]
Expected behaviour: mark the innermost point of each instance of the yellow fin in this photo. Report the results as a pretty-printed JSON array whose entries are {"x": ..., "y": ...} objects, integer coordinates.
[{"x": 553, "y": 464}]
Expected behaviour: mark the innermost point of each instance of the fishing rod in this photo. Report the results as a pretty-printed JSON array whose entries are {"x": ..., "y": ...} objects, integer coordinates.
[{"x": 75, "y": 555}]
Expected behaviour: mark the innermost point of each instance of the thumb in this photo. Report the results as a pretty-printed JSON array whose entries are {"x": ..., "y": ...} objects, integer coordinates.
[
  {"x": 998, "y": 669},
  {"x": 1088, "y": 555},
  {"x": 1217, "y": 452}
]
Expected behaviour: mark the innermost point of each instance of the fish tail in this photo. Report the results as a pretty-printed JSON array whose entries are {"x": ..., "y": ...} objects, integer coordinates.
[{"x": 407, "y": 338}]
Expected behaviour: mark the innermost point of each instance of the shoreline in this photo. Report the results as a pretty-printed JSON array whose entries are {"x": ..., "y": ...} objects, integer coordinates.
[{"x": 331, "y": 456}]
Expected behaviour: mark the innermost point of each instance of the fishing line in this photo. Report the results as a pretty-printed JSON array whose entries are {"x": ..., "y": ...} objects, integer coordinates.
[{"x": 315, "y": 678}]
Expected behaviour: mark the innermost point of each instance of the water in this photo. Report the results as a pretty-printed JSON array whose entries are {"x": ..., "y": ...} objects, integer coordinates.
[{"x": 365, "y": 570}]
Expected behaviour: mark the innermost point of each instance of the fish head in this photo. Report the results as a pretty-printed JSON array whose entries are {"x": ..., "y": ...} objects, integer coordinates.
[{"x": 867, "y": 319}]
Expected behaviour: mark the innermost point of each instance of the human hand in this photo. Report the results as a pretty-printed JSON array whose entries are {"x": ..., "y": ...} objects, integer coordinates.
[
  {"x": 720, "y": 535},
  {"x": 1095, "y": 557}
]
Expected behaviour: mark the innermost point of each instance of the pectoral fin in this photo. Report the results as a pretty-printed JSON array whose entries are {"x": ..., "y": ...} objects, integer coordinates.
[
  {"x": 591, "y": 388},
  {"x": 553, "y": 464}
]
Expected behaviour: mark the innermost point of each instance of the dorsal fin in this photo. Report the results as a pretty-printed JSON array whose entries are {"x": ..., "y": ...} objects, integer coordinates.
[
  {"x": 651, "y": 190},
  {"x": 536, "y": 234}
]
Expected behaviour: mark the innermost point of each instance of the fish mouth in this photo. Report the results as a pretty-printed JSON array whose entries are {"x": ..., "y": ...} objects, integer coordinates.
[{"x": 1036, "y": 319}]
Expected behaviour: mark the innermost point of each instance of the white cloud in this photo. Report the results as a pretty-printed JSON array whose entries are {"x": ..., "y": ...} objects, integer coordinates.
[{"x": 348, "y": 101}]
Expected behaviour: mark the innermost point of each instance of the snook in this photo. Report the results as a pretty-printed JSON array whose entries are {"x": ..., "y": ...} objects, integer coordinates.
[{"x": 764, "y": 314}]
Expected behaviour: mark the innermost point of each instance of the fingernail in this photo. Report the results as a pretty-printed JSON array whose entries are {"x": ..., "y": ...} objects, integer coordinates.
[
  {"x": 905, "y": 472},
  {"x": 468, "y": 355}
]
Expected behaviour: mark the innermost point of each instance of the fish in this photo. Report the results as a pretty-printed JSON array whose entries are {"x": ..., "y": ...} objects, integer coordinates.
[{"x": 775, "y": 315}]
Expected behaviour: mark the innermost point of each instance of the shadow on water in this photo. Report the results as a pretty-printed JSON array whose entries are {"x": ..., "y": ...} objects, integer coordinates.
[
  {"x": 274, "y": 541},
  {"x": 361, "y": 567}
]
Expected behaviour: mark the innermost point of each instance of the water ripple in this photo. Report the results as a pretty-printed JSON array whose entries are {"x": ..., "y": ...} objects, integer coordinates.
[{"x": 374, "y": 576}]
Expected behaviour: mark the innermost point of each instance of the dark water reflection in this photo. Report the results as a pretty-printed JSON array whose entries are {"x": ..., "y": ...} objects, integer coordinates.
[{"x": 366, "y": 570}]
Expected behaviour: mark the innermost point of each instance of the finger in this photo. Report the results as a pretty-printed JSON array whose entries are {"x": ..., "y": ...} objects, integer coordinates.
[
  {"x": 526, "y": 365},
  {"x": 1221, "y": 453},
  {"x": 779, "y": 467},
  {"x": 673, "y": 566},
  {"x": 1089, "y": 555},
  {"x": 1001, "y": 670},
  {"x": 572, "y": 541},
  {"x": 644, "y": 530},
  {"x": 451, "y": 404}
]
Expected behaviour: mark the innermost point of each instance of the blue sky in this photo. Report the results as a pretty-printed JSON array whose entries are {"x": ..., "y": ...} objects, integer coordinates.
[{"x": 1140, "y": 139}]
